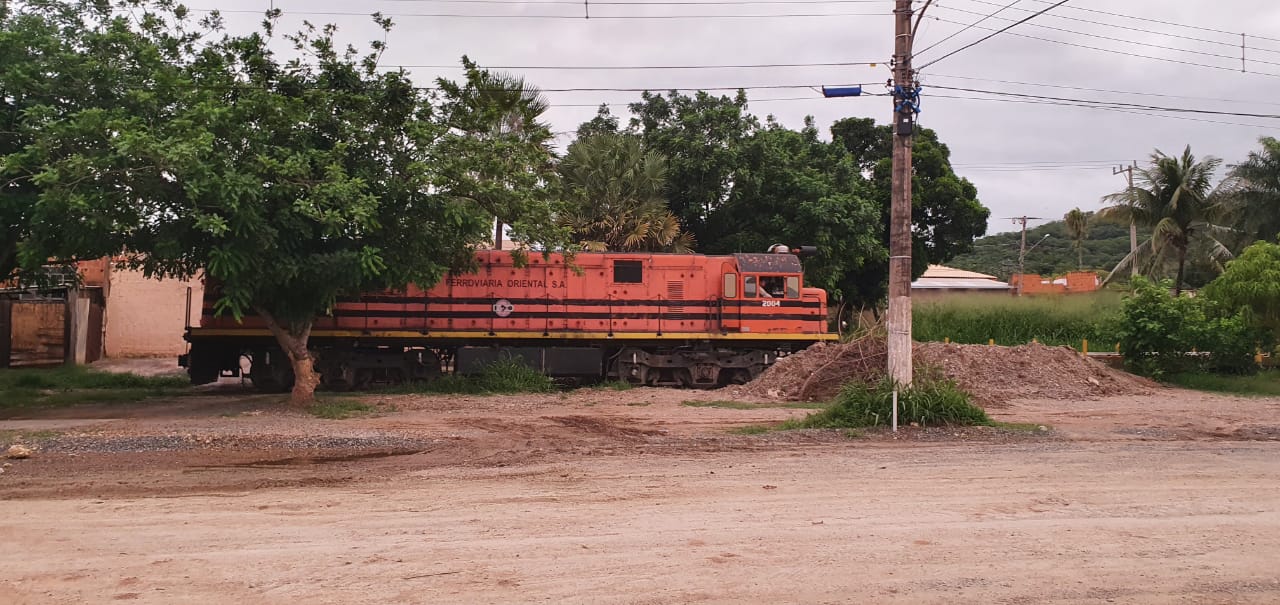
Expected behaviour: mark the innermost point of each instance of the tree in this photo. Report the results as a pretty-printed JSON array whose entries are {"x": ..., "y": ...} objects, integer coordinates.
[
  {"x": 946, "y": 215},
  {"x": 287, "y": 183},
  {"x": 60, "y": 57},
  {"x": 740, "y": 186},
  {"x": 1251, "y": 282},
  {"x": 1077, "y": 224},
  {"x": 790, "y": 187},
  {"x": 700, "y": 136},
  {"x": 1254, "y": 192},
  {"x": 614, "y": 191},
  {"x": 1175, "y": 197},
  {"x": 491, "y": 109}
]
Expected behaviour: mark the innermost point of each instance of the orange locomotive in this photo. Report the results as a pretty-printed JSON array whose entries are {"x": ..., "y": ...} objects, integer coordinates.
[{"x": 652, "y": 319}]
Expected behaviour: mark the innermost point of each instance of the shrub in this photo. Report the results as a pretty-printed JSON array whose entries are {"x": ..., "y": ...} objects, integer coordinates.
[
  {"x": 1162, "y": 334},
  {"x": 1251, "y": 284},
  {"x": 927, "y": 402}
]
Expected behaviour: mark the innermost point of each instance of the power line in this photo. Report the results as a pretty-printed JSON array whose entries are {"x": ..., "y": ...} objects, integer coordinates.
[
  {"x": 661, "y": 3},
  {"x": 967, "y": 27},
  {"x": 1103, "y": 108},
  {"x": 1118, "y": 52},
  {"x": 1122, "y": 40},
  {"x": 650, "y": 67},
  {"x": 574, "y": 17},
  {"x": 1106, "y": 90},
  {"x": 1140, "y": 30},
  {"x": 988, "y": 37},
  {"x": 1268, "y": 116},
  {"x": 1161, "y": 22}
]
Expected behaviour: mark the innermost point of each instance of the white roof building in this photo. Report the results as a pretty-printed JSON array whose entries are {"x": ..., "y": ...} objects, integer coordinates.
[{"x": 938, "y": 278}]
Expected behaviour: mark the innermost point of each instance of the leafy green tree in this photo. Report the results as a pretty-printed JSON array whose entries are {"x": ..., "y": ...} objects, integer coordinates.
[
  {"x": 1176, "y": 199},
  {"x": 615, "y": 197},
  {"x": 1077, "y": 224},
  {"x": 287, "y": 183},
  {"x": 790, "y": 187},
  {"x": 493, "y": 111},
  {"x": 946, "y": 215},
  {"x": 701, "y": 137},
  {"x": 738, "y": 185},
  {"x": 1254, "y": 198},
  {"x": 59, "y": 57},
  {"x": 1251, "y": 282}
]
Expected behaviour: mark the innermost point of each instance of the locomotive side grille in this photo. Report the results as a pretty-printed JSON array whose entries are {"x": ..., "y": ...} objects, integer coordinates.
[{"x": 675, "y": 294}]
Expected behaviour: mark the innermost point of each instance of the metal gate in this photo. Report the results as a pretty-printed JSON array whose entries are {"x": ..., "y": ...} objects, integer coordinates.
[{"x": 6, "y": 331}]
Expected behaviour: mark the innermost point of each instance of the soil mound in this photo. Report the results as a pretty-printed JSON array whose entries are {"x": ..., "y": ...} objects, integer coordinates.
[{"x": 993, "y": 375}]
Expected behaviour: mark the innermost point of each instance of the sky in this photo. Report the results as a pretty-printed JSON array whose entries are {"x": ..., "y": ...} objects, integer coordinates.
[{"x": 1027, "y": 156}]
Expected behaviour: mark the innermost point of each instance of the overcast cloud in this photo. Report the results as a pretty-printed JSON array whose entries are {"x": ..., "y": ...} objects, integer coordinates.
[{"x": 985, "y": 137}]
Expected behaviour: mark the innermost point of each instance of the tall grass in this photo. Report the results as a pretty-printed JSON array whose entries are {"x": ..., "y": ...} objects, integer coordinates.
[
  {"x": 69, "y": 385},
  {"x": 926, "y": 403},
  {"x": 505, "y": 376},
  {"x": 1052, "y": 320}
]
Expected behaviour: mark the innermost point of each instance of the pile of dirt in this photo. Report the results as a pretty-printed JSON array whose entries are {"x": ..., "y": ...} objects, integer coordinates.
[{"x": 993, "y": 375}]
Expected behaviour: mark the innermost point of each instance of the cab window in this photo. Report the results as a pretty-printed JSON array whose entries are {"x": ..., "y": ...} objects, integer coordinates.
[
  {"x": 773, "y": 286},
  {"x": 730, "y": 285},
  {"x": 793, "y": 287},
  {"x": 749, "y": 286}
]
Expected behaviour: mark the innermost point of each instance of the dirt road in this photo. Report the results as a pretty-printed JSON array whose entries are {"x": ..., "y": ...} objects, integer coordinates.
[{"x": 632, "y": 497}]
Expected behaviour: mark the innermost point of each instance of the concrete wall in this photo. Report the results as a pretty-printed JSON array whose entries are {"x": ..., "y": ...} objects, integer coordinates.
[{"x": 146, "y": 317}]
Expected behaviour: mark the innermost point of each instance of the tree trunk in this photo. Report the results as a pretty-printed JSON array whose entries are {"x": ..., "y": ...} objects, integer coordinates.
[
  {"x": 1182, "y": 261},
  {"x": 1079, "y": 257},
  {"x": 293, "y": 339},
  {"x": 497, "y": 235}
]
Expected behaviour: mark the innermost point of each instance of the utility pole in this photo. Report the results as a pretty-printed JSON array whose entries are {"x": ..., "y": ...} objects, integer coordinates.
[
  {"x": 1133, "y": 226},
  {"x": 1022, "y": 251},
  {"x": 905, "y": 106}
]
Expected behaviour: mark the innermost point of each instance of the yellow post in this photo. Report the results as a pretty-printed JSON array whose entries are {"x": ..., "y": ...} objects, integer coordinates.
[
  {"x": 946, "y": 340},
  {"x": 991, "y": 342},
  {"x": 1034, "y": 341},
  {"x": 1084, "y": 347},
  {"x": 1257, "y": 357},
  {"x": 1117, "y": 348}
]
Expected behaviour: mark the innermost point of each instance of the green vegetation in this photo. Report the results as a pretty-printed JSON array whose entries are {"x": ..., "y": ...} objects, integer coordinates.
[
  {"x": 1266, "y": 384},
  {"x": 1052, "y": 320},
  {"x": 743, "y": 405},
  {"x": 506, "y": 376},
  {"x": 1102, "y": 247},
  {"x": 926, "y": 403},
  {"x": 339, "y": 409},
  {"x": 1252, "y": 283},
  {"x": 69, "y": 385},
  {"x": 1161, "y": 334},
  {"x": 614, "y": 385}
]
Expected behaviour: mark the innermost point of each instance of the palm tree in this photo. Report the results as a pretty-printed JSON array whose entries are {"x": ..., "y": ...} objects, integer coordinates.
[
  {"x": 502, "y": 109},
  {"x": 1254, "y": 192},
  {"x": 1077, "y": 223},
  {"x": 614, "y": 188},
  {"x": 1174, "y": 196}
]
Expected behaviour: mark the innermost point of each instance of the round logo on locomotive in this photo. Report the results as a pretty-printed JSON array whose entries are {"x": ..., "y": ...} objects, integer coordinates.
[{"x": 503, "y": 308}]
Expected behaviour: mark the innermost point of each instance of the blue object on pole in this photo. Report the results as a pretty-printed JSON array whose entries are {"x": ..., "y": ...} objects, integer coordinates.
[{"x": 842, "y": 91}]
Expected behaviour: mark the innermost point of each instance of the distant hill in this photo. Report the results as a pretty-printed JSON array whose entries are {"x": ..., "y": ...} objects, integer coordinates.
[{"x": 997, "y": 254}]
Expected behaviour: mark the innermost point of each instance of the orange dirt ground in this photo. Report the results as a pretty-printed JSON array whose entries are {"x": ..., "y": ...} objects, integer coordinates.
[{"x": 598, "y": 496}]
